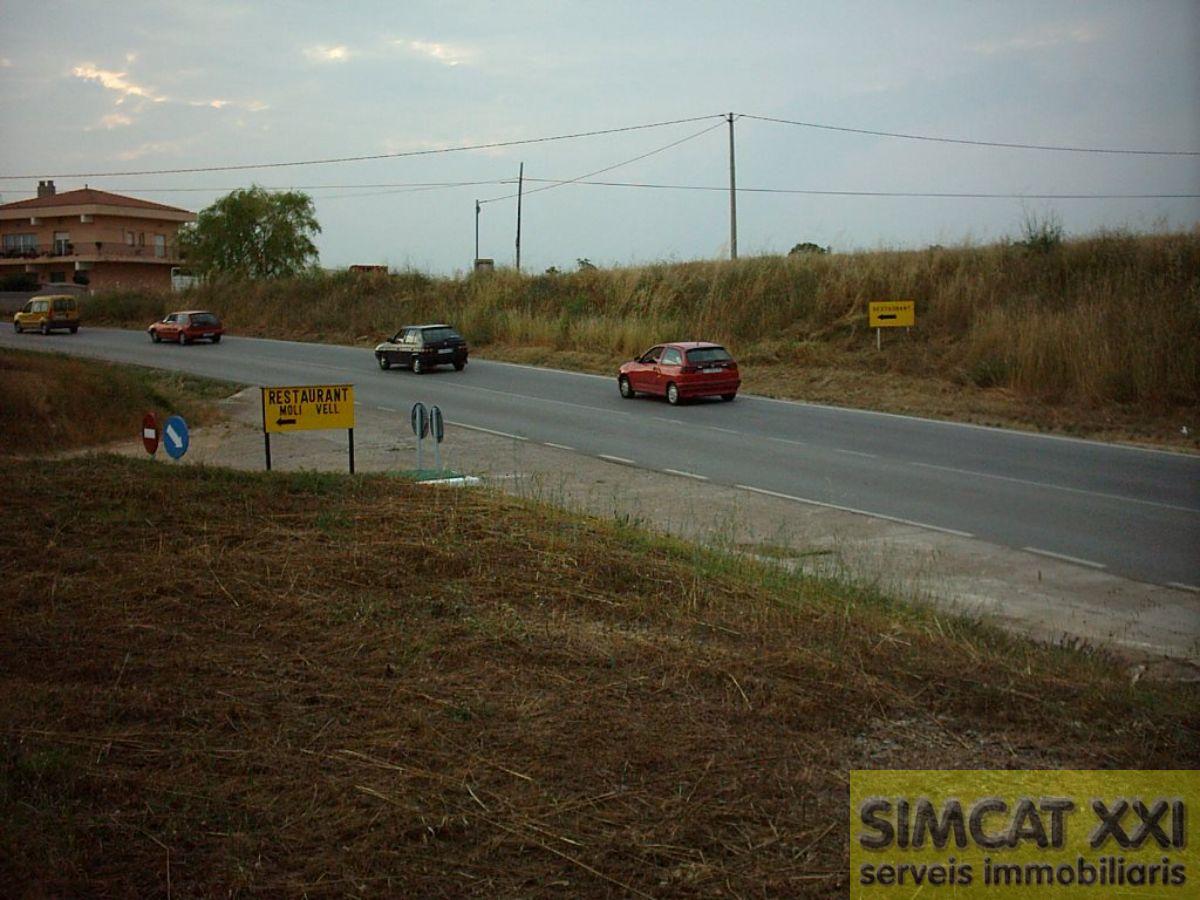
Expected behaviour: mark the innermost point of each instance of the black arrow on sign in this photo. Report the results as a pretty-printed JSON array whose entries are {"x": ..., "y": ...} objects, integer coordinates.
[{"x": 285, "y": 421}]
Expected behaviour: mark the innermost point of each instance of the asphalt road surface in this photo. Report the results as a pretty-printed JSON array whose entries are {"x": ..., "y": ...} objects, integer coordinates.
[{"x": 1132, "y": 512}]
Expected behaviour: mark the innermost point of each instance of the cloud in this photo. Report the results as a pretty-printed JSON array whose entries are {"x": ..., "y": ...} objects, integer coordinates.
[
  {"x": 444, "y": 53},
  {"x": 115, "y": 81},
  {"x": 115, "y": 120},
  {"x": 152, "y": 147},
  {"x": 1043, "y": 39},
  {"x": 322, "y": 53}
]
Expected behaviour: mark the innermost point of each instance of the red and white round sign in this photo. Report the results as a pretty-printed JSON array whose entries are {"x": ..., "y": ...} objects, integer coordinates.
[{"x": 149, "y": 433}]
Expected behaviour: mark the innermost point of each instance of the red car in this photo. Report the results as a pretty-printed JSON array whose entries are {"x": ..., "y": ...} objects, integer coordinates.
[
  {"x": 680, "y": 371},
  {"x": 187, "y": 326}
]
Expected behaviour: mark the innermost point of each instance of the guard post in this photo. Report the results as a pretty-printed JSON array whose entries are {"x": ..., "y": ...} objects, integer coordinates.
[
  {"x": 420, "y": 426},
  {"x": 438, "y": 429}
]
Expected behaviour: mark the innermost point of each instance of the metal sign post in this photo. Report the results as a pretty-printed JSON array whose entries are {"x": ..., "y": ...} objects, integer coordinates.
[
  {"x": 175, "y": 437},
  {"x": 308, "y": 407},
  {"x": 893, "y": 314},
  {"x": 438, "y": 429},
  {"x": 420, "y": 427},
  {"x": 150, "y": 433}
]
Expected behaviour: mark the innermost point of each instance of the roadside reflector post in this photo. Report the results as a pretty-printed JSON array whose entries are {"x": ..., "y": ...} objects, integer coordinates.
[
  {"x": 420, "y": 426},
  {"x": 438, "y": 428}
]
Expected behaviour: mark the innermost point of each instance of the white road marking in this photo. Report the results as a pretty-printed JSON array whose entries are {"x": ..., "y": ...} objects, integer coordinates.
[
  {"x": 558, "y": 446},
  {"x": 1055, "y": 487},
  {"x": 719, "y": 428},
  {"x": 686, "y": 474},
  {"x": 851, "y": 509},
  {"x": 855, "y": 453},
  {"x": 617, "y": 459},
  {"x": 789, "y": 441},
  {"x": 388, "y": 409},
  {"x": 1184, "y": 587},
  {"x": 1065, "y": 558},
  {"x": 503, "y": 434}
]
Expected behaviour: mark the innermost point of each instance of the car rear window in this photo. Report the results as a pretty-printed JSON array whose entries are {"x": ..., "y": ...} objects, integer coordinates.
[
  {"x": 64, "y": 304},
  {"x": 205, "y": 319},
  {"x": 441, "y": 334},
  {"x": 708, "y": 354}
]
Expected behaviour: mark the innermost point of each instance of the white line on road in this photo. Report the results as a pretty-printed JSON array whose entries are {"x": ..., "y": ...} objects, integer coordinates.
[
  {"x": 1055, "y": 487},
  {"x": 686, "y": 474},
  {"x": 851, "y": 509},
  {"x": 558, "y": 446},
  {"x": 789, "y": 441},
  {"x": 726, "y": 430},
  {"x": 1184, "y": 587},
  {"x": 855, "y": 453},
  {"x": 503, "y": 434},
  {"x": 1065, "y": 558},
  {"x": 617, "y": 459},
  {"x": 388, "y": 409}
]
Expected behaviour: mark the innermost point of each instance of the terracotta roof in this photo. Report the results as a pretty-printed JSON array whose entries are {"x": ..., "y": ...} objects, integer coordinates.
[{"x": 85, "y": 196}]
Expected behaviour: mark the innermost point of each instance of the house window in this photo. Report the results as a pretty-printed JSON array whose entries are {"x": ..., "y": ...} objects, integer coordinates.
[
  {"x": 17, "y": 243},
  {"x": 160, "y": 245},
  {"x": 129, "y": 238},
  {"x": 58, "y": 277},
  {"x": 141, "y": 239},
  {"x": 62, "y": 243}
]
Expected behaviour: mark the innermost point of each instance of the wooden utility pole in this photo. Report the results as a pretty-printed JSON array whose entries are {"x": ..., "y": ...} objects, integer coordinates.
[
  {"x": 520, "y": 189},
  {"x": 732, "y": 196}
]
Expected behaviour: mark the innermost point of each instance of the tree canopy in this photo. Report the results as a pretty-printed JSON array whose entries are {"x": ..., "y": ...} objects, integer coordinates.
[{"x": 253, "y": 233}]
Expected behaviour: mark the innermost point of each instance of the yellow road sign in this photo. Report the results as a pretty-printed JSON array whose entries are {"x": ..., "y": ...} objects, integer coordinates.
[
  {"x": 893, "y": 314},
  {"x": 307, "y": 407}
]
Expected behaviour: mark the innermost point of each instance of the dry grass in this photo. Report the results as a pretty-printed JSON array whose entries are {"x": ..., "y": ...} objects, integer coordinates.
[
  {"x": 54, "y": 402},
  {"x": 213, "y": 682},
  {"x": 1086, "y": 334}
]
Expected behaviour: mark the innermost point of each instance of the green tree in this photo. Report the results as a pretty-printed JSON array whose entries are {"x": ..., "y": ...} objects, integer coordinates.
[
  {"x": 806, "y": 248},
  {"x": 253, "y": 233}
]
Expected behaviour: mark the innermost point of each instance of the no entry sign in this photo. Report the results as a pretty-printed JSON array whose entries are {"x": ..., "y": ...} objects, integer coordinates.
[{"x": 150, "y": 433}]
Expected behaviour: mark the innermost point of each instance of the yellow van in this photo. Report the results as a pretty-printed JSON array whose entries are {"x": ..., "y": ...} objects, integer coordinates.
[{"x": 46, "y": 314}]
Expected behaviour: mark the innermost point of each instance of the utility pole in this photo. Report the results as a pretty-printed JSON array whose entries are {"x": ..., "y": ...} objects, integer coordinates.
[
  {"x": 520, "y": 189},
  {"x": 732, "y": 196},
  {"x": 476, "y": 235}
]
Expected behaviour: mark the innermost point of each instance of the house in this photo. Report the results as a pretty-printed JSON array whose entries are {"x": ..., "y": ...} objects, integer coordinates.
[{"x": 91, "y": 238}]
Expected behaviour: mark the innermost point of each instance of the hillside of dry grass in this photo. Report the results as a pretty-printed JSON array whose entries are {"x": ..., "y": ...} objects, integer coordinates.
[
  {"x": 52, "y": 402},
  {"x": 216, "y": 682},
  {"x": 1092, "y": 336}
]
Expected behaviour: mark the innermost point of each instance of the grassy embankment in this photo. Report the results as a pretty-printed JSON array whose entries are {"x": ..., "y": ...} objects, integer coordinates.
[
  {"x": 1097, "y": 336},
  {"x": 50, "y": 402},
  {"x": 221, "y": 682}
]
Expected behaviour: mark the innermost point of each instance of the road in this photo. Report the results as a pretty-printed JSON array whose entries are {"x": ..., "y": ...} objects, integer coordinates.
[{"x": 1129, "y": 511}]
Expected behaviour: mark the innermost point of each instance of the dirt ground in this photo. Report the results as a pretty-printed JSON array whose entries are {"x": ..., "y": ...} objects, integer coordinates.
[{"x": 1154, "y": 630}]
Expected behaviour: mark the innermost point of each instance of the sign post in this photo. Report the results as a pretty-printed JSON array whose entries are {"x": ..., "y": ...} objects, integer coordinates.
[
  {"x": 308, "y": 407},
  {"x": 890, "y": 314},
  {"x": 420, "y": 427},
  {"x": 175, "y": 437},
  {"x": 150, "y": 433},
  {"x": 438, "y": 429}
]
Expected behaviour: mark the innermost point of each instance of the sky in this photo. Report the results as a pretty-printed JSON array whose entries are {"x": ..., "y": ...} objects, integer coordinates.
[{"x": 98, "y": 89}]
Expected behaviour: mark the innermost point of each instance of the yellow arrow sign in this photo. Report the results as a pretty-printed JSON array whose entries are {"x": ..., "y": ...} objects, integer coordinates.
[
  {"x": 307, "y": 407},
  {"x": 893, "y": 314}
]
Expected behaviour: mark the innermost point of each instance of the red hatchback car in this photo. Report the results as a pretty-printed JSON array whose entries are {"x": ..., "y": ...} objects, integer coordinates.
[
  {"x": 187, "y": 326},
  {"x": 680, "y": 371}
]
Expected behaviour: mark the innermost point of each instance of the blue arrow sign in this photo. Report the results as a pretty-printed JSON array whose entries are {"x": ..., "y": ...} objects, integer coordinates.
[{"x": 175, "y": 437}]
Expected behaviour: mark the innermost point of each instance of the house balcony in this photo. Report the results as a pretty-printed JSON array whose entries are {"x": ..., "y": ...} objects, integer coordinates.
[{"x": 84, "y": 253}]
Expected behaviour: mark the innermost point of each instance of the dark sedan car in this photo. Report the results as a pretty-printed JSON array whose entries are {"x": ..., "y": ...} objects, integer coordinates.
[{"x": 423, "y": 347}]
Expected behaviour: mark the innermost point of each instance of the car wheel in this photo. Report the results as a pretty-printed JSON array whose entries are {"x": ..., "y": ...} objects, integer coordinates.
[
  {"x": 459, "y": 366},
  {"x": 417, "y": 366},
  {"x": 155, "y": 338},
  {"x": 626, "y": 388},
  {"x": 182, "y": 339},
  {"x": 728, "y": 397},
  {"x": 17, "y": 328},
  {"x": 74, "y": 329},
  {"x": 673, "y": 394},
  {"x": 45, "y": 329},
  {"x": 216, "y": 339},
  {"x": 384, "y": 362}
]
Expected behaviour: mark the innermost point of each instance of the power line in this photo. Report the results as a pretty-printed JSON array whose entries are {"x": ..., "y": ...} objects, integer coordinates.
[
  {"x": 946, "y": 140},
  {"x": 345, "y": 159},
  {"x": 554, "y": 183},
  {"x": 912, "y": 194}
]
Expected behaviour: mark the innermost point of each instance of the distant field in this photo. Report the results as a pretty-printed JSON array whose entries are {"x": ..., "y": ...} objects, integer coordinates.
[
  {"x": 216, "y": 682},
  {"x": 1097, "y": 336},
  {"x": 49, "y": 401}
]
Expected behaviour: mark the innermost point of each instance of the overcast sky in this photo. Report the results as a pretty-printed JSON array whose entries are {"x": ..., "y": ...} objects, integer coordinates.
[{"x": 108, "y": 87}]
